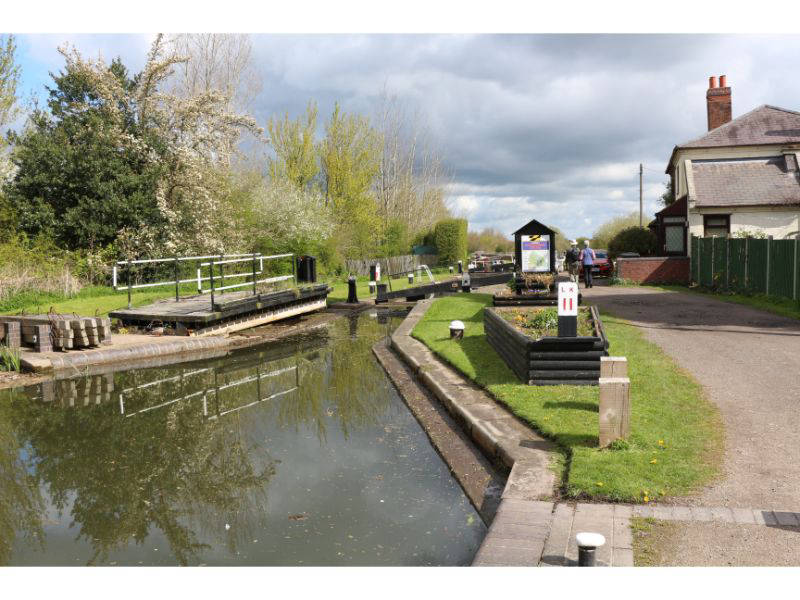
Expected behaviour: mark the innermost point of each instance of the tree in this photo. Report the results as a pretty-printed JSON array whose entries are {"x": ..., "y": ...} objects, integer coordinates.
[
  {"x": 489, "y": 240},
  {"x": 603, "y": 235},
  {"x": 117, "y": 153},
  {"x": 293, "y": 143},
  {"x": 409, "y": 187},
  {"x": 633, "y": 239},
  {"x": 216, "y": 61},
  {"x": 75, "y": 182},
  {"x": 349, "y": 156},
  {"x": 668, "y": 197},
  {"x": 451, "y": 240},
  {"x": 9, "y": 80}
]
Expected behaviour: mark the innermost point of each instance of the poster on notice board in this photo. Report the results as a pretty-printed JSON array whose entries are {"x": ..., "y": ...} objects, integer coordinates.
[{"x": 535, "y": 253}]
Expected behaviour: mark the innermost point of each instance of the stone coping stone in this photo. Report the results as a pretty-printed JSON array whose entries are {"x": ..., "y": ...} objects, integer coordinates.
[{"x": 503, "y": 438}]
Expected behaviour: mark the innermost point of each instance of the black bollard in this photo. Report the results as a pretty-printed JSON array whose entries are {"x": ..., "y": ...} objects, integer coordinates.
[
  {"x": 352, "y": 297},
  {"x": 588, "y": 543}
]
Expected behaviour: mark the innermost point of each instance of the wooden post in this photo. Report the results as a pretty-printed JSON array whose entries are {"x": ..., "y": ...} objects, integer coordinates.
[
  {"x": 713, "y": 239},
  {"x": 746, "y": 259},
  {"x": 615, "y": 404},
  {"x": 728, "y": 262},
  {"x": 769, "y": 252},
  {"x": 699, "y": 262},
  {"x": 796, "y": 265}
]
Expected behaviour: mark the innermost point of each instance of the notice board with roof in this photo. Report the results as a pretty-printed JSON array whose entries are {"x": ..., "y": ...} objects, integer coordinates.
[{"x": 535, "y": 248}]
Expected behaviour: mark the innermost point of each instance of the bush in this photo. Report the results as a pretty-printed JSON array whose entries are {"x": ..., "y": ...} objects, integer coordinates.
[
  {"x": 451, "y": 240},
  {"x": 633, "y": 239}
]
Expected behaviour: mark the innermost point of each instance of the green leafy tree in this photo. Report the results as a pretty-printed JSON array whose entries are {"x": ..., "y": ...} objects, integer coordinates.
[
  {"x": 349, "y": 156},
  {"x": 606, "y": 232},
  {"x": 293, "y": 143},
  {"x": 74, "y": 183},
  {"x": 451, "y": 240},
  {"x": 668, "y": 197},
  {"x": 633, "y": 239}
]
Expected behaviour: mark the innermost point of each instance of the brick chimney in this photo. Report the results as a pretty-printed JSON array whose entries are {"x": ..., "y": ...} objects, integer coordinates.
[{"x": 718, "y": 101}]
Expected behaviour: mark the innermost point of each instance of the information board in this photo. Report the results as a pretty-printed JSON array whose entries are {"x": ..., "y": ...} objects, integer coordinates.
[{"x": 535, "y": 253}]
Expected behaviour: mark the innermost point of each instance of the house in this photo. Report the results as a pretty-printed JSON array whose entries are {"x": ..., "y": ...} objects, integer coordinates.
[{"x": 740, "y": 177}]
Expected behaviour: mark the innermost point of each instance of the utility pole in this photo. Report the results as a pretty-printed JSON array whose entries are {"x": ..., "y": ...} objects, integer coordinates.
[{"x": 640, "y": 194}]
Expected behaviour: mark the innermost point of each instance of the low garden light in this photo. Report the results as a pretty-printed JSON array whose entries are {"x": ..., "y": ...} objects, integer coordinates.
[
  {"x": 410, "y": 278},
  {"x": 372, "y": 286},
  {"x": 456, "y": 330},
  {"x": 588, "y": 543}
]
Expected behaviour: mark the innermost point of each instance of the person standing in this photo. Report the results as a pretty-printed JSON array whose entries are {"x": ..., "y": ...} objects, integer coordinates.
[
  {"x": 587, "y": 259},
  {"x": 572, "y": 258}
]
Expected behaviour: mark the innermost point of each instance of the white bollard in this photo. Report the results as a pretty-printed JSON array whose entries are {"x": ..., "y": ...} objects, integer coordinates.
[{"x": 456, "y": 330}]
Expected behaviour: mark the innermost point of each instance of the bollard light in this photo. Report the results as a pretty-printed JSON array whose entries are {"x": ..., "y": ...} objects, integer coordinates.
[
  {"x": 588, "y": 543},
  {"x": 372, "y": 287},
  {"x": 456, "y": 330},
  {"x": 451, "y": 269},
  {"x": 410, "y": 278}
]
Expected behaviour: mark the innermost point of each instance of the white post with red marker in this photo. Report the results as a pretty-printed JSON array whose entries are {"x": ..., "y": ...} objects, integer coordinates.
[{"x": 567, "y": 309}]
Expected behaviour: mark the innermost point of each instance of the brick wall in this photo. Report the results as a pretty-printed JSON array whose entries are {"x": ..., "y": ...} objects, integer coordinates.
[{"x": 659, "y": 269}]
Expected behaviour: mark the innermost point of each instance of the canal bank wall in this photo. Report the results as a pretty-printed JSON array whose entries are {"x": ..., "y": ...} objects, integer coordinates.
[{"x": 530, "y": 526}]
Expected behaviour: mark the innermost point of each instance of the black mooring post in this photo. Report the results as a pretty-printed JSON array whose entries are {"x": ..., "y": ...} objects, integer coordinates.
[
  {"x": 254, "y": 273},
  {"x": 221, "y": 272},
  {"x": 352, "y": 297},
  {"x": 177, "y": 281},
  {"x": 129, "y": 283},
  {"x": 211, "y": 277}
]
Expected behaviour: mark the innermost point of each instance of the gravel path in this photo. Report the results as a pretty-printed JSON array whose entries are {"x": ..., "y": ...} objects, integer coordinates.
[{"x": 749, "y": 362}]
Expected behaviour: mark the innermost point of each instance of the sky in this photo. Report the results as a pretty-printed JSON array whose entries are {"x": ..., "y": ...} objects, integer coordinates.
[{"x": 544, "y": 126}]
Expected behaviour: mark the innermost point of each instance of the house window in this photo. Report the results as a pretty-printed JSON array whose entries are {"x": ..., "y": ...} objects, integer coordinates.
[{"x": 716, "y": 225}]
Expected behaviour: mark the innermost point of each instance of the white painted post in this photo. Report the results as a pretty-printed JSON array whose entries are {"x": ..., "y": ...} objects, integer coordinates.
[{"x": 769, "y": 252}]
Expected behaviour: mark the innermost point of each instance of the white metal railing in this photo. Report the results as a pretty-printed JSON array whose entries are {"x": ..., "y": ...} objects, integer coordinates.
[{"x": 210, "y": 262}]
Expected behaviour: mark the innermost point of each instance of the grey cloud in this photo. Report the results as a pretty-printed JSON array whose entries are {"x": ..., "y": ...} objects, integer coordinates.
[{"x": 550, "y": 126}]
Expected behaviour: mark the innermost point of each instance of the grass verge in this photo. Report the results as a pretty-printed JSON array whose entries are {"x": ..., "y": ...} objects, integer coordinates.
[
  {"x": 675, "y": 443},
  {"x": 90, "y": 301},
  {"x": 649, "y": 537}
]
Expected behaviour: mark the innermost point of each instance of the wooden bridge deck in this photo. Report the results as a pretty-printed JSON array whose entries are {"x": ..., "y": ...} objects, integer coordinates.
[{"x": 197, "y": 312}]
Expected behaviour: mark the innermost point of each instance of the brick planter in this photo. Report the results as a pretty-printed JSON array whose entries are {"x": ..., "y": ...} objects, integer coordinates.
[
  {"x": 547, "y": 360},
  {"x": 658, "y": 269}
]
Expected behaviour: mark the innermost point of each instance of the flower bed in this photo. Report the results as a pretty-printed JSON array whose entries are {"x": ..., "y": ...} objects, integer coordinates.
[{"x": 524, "y": 338}]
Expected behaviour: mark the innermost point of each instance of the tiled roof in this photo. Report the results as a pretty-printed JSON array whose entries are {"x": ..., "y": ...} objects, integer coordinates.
[
  {"x": 739, "y": 182},
  {"x": 763, "y": 125}
]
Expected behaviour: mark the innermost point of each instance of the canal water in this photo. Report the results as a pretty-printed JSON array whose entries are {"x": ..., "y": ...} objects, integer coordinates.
[{"x": 295, "y": 453}]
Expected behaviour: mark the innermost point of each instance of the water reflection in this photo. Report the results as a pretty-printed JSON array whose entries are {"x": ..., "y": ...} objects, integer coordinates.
[{"x": 100, "y": 469}]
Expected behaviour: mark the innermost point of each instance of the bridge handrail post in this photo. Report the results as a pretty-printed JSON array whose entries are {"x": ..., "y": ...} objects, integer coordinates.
[
  {"x": 129, "y": 283},
  {"x": 177, "y": 280},
  {"x": 211, "y": 277},
  {"x": 254, "y": 274}
]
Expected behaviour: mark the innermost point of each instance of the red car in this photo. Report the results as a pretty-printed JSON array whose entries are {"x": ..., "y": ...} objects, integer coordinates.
[{"x": 602, "y": 266}]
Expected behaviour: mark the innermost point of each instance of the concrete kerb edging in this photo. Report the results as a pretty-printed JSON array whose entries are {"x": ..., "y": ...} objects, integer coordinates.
[{"x": 503, "y": 438}]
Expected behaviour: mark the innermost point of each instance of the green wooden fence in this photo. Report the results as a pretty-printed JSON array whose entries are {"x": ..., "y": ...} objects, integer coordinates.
[{"x": 748, "y": 265}]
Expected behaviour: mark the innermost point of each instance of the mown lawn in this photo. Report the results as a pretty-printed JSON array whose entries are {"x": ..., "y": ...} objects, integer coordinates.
[
  {"x": 90, "y": 301},
  {"x": 675, "y": 443}
]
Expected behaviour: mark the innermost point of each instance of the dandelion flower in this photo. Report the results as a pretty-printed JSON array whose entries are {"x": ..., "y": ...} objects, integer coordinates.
[
  {"x": 654, "y": 461},
  {"x": 599, "y": 484},
  {"x": 660, "y": 442},
  {"x": 646, "y": 499}
]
